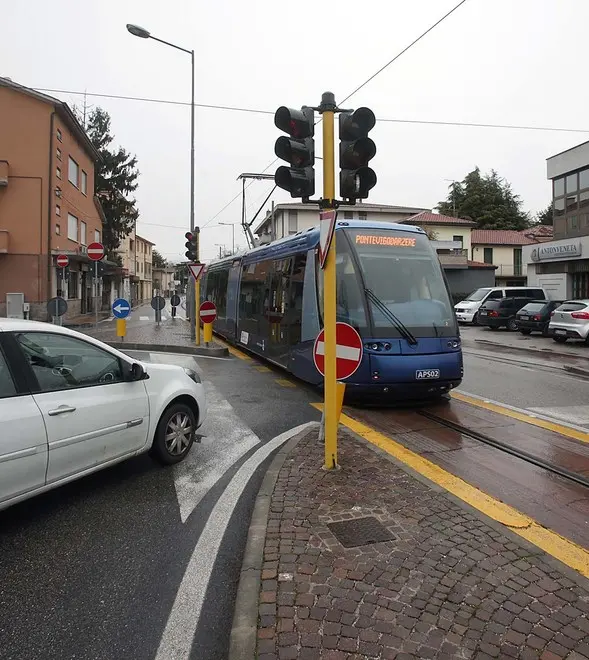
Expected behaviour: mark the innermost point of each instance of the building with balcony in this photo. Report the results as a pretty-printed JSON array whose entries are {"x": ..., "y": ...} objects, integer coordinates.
[
  {"x": 143, "y": 268},
  {"x": 504, "y": 249},
  {"x": 289, "y": 219},
  {"x": 561, "y": 265},
  {"x": 163, "y": 280},
  {"x": 127, "y": 252},
  {"x": 47, "y": 202}
]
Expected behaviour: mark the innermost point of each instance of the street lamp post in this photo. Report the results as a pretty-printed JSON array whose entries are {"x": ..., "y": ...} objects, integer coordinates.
[
  {"x": 230, "y": 224},
  {"x": 138, "y": 31}
]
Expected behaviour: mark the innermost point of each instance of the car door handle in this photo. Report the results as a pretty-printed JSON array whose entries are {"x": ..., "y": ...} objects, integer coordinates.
[{"x": 61, "y": 410}]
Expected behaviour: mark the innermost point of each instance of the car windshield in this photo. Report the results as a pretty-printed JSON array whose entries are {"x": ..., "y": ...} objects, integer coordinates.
[
  {"x": 404, "y": 283},
  {"x": 477, "y": 295}
]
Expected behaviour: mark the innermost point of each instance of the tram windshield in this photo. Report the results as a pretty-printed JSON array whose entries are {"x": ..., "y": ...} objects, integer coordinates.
[{"x": 403, "y": 284}]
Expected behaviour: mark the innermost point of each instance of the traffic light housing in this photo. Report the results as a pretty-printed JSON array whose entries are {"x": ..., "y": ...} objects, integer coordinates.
[
  {"x": 298, "y": 150},
  {"x": 191, "y": 245},
  {"x": 356, "y": 150}
]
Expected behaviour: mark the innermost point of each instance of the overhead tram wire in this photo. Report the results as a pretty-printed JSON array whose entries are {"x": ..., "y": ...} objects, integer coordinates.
[{"x": 380, "y": 119}]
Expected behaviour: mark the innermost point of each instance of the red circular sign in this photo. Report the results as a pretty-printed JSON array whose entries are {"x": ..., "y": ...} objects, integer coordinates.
[
  {"x": 348, "y": 351},
  {"x": 95, "y": 251},
  {"x": 208, "y": 312},
  {"x": 62, "y": 260}
]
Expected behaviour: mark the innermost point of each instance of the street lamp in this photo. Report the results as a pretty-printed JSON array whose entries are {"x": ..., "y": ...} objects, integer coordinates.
[
  {"x": 230, "y": 224},
  {"x": 138, "y": 31}
]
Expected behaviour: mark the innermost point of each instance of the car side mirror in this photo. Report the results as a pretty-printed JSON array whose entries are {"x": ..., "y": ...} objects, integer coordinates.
[{"x": 137, "y": 372}]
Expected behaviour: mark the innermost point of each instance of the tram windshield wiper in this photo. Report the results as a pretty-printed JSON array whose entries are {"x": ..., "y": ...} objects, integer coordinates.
[{"x": 401, "y": 327}]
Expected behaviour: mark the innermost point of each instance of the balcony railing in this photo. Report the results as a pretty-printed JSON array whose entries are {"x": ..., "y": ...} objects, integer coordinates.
[
  {"x": 454, "y": 258},
  {"x": 509, "y": 270}
]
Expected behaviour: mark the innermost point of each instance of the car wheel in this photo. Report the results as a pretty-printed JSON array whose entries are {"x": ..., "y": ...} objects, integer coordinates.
[
  {"x": 512, "y": 325},
  {"x": 559, "y": 340},
  {"x": 525, "y": 331},
  {"x": 174, "y": 434}
]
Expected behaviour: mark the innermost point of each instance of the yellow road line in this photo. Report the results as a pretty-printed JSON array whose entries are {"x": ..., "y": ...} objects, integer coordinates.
[
  {"x": 262, "y": 369},
  {"x": 567, "y": 431},
  {"x": 234, "y": 351},
  {"x": 284, "y": 382},
  {"x": 566, "y": 551}
]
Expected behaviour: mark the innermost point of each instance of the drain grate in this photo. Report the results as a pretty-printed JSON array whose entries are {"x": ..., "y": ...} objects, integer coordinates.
[{"x": 361, "y": 531}]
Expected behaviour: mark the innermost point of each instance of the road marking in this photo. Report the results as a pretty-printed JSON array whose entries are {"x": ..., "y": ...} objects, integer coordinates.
[
  {"x": 284, "y": 382},
  {"x": 262, "y": 369},
  {"x": 144, "y": 318},
  {"x": 568, "y": 431},
  {"x": 578, "y": 415},
  {"x": 226, "y": 440},
  {"x": 176, "y": 642},
  {"x": 566, "y": 551},
  {"x": 234, "y": 351}
]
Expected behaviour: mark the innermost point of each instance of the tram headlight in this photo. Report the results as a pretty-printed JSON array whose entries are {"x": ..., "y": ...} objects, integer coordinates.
[{"x": 454, "y": 343}]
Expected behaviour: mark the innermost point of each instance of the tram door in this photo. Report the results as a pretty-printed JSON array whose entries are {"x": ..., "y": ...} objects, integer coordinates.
[{"x": 278, "y": 312}]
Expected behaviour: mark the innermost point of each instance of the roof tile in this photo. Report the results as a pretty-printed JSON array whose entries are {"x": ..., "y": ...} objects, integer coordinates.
[
  {"x": 427, "y": 218},
  {"x": 499, "y": 237}
]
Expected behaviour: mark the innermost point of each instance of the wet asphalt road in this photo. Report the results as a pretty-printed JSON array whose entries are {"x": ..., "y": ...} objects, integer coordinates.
[{"x": 91, "y": 570}]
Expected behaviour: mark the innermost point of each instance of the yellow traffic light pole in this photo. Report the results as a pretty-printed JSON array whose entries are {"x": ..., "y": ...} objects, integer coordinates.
[
  {"x": 331, "y": 416},
  {"x": 197, "y": 292}
]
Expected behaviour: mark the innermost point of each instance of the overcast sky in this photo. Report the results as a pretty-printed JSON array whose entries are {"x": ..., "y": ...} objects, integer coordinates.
[{"x": 517, "y": 62}]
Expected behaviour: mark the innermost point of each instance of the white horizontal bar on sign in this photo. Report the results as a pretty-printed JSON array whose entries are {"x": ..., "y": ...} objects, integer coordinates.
[
  {"x": 207, "y": 314},
  {"x": 342, "y": 352}
]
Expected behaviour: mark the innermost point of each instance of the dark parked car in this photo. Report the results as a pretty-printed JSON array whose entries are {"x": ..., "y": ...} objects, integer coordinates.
[
  {"x": 535, "y": 316},
  {"x": 501, "y": 313}
]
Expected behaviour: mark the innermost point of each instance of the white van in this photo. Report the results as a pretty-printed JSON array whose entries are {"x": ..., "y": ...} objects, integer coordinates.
[{"x": 467, "y": 309}]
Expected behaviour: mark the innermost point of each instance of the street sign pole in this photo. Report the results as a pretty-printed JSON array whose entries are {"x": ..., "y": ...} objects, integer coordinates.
[
  {"x": 197, "y": 298},
  {"x": 96, "y": 293},
  {"x": 327, "y": 109}
]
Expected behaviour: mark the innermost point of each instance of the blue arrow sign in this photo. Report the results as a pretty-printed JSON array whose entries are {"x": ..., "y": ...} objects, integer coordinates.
[{"x": 121, "y": 308}]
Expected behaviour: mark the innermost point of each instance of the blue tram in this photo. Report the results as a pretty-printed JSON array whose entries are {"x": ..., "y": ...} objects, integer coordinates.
[{"x": 390, "y": 287}]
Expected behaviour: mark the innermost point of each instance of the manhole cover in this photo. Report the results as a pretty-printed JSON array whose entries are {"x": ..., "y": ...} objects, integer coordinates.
[{"x": 361, "y": 531}]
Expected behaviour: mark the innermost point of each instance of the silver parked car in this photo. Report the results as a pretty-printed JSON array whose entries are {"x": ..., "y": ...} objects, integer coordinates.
[{"x": 570, "y": 321}]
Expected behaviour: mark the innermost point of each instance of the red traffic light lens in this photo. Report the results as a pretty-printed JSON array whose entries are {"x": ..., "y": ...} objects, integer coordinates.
[{"x": 188, "y": 236}]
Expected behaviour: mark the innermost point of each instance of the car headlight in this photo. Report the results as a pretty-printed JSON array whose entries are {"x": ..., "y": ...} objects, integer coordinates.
[{"x": 192, "y": 375}]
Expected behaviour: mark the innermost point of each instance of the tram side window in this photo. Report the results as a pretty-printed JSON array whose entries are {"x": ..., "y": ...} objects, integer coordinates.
[
  {"x": 254, "y": 292},
  {"x": 221, "y": 293},
  {"x": 278, "y": 302},
  {"x": 295, "y": 306}
]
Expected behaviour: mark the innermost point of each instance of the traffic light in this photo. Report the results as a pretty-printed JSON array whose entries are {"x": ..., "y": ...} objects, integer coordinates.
[
  {"x": 191, "y": 244},
  {"x": 355, "y": 151},
  {"x": 298, "y": 150}
]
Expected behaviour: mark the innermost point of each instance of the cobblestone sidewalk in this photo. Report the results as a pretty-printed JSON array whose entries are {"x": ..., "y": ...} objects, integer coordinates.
[{"x": 446, "y": 585}]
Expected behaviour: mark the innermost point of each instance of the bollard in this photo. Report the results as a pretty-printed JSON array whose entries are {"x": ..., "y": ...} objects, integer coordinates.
[{"x": 208, "y": 333}]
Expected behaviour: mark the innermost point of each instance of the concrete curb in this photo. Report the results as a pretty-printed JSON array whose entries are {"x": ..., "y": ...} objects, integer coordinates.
[
  {"x": 215, "y": 351},
  {"x": 521, "y": 349},
  {"x": 242, "y": 642},
  {"x": 576, "y": 370}
]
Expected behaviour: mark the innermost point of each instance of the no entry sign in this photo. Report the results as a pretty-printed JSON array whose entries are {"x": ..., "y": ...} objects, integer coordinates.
[
  {"x": 95, "y": 251},
  {"x": 62, "y": 260},
  {"x": 208, "y": 311},
  {"x": 348, "y": 351}
]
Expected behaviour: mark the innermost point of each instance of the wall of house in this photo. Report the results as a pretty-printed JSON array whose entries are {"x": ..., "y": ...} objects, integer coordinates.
[
  {"x": 503, "y": 258},
  {"x": 448, "y": 233},
  {"x": 24, "y": 144}
]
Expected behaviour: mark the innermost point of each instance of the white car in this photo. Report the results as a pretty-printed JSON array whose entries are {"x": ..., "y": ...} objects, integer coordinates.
[
  {"x": 71, "y": 405},
  {"x": 570, "y": 321}
]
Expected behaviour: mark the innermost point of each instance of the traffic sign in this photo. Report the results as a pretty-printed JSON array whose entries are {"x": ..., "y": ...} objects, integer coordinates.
[
  {"x": 57, "y": 306},
  {"x": 196, "y": 270},
  {"x": 326, "y": 229},
  {"x": 175, "y": 300},
  {"x": 208, "y": 312},
  {"x": 95, "y": 251},
  {"x": 158, "y": 303},
  {"x": 62, "y": 260},
  {"x": 121, "y": 308},
  {"x": 348, "y": 351}
]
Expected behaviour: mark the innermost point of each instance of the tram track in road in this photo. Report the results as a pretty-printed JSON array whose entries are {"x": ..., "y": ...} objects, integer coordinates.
[{"x": 508, "y": 449}]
